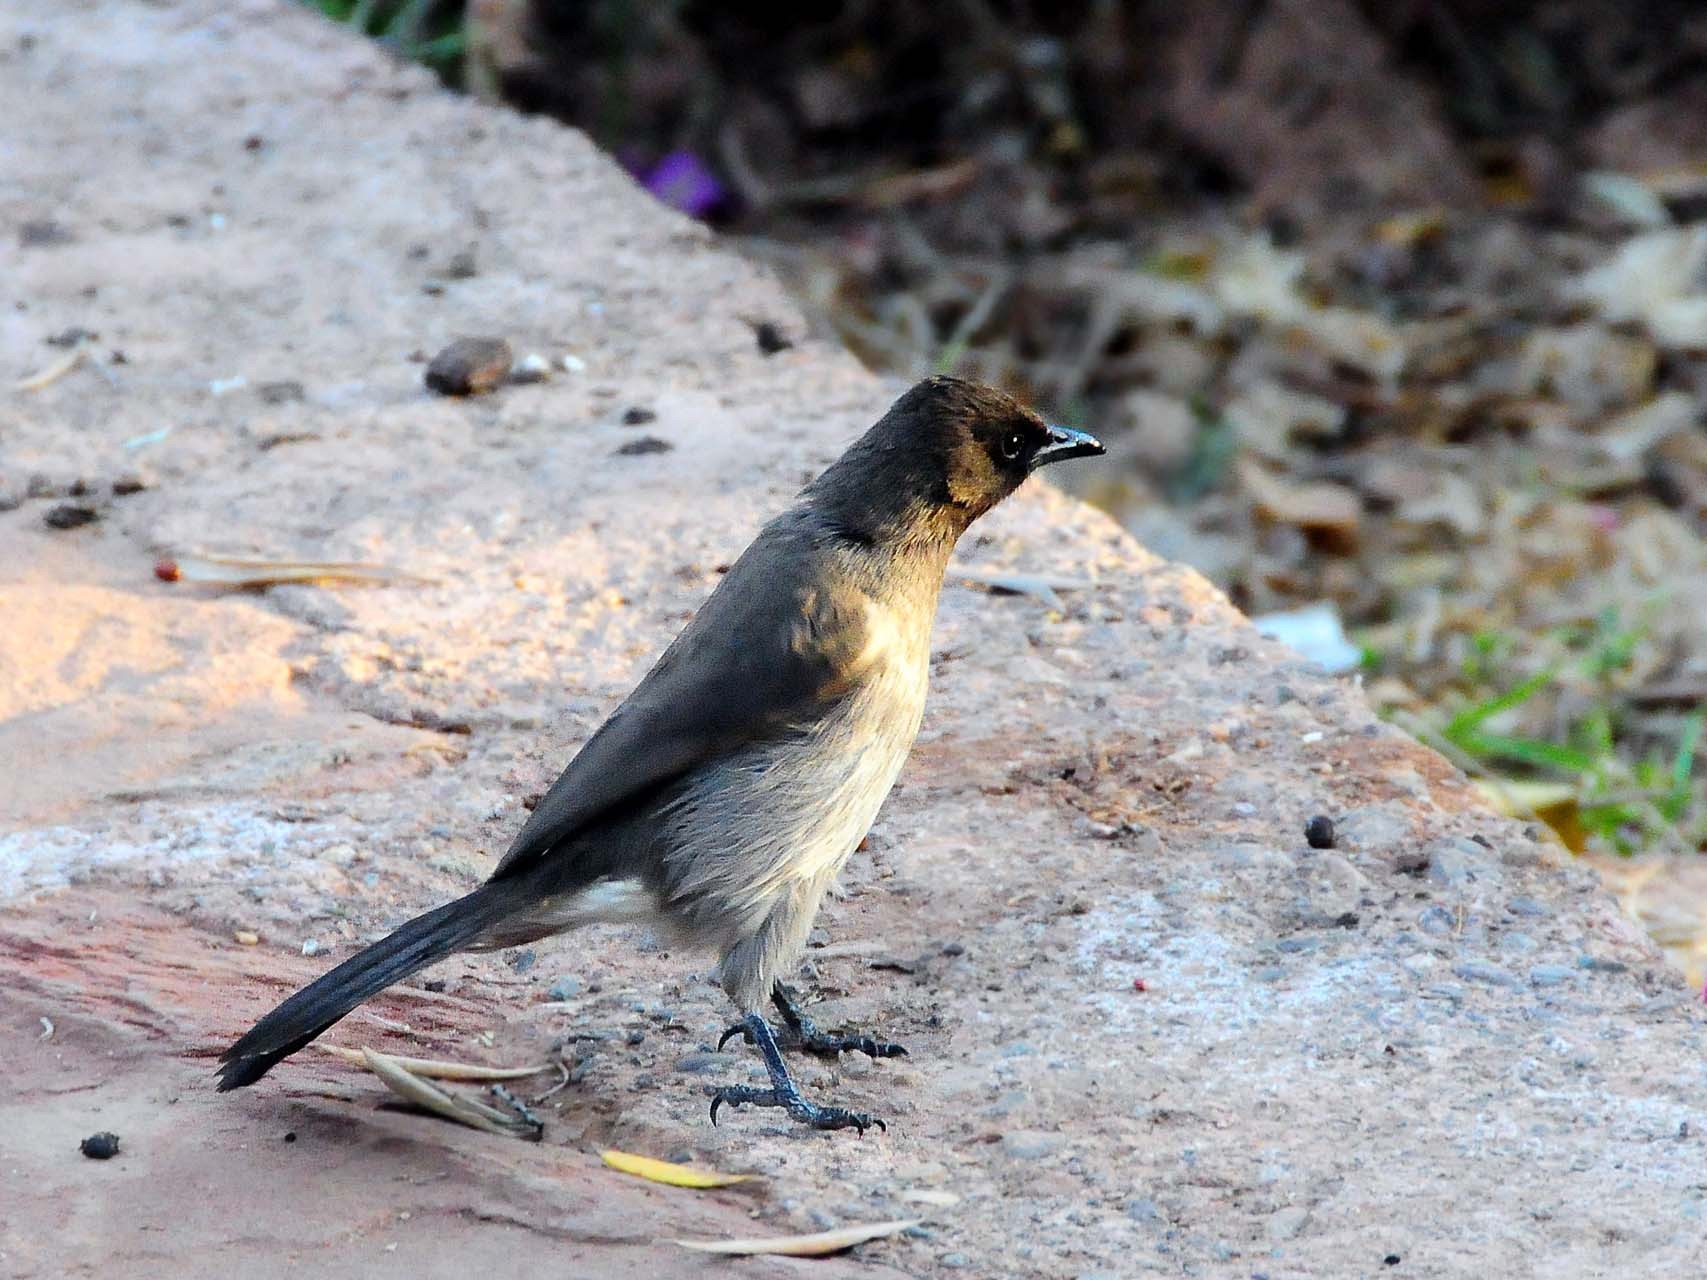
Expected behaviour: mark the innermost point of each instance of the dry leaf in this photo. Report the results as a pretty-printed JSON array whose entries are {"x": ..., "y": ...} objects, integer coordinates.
[
  {"x": 243, "y": 571},
  {"x": 436, "y": 1069},
  {"x": 816, "y": 1245},
  {"x": 1319, "y": 504},
  {"x": 671, "y": 1175},
  {"x": 54, "y": 372},
  {"x": 476, "y": 1115}
]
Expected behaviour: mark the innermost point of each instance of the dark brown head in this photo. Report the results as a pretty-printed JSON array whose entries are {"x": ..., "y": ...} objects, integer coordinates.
[{"x": 945, "y": 453}]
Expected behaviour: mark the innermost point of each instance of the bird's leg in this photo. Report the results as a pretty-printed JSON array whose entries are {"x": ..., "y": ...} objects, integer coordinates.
[
  {"x": 803, "y": 1033},
  {"x": 783, "y": 1092}
]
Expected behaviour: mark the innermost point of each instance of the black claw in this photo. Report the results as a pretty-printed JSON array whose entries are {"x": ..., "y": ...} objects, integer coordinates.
[
  {"x": 804, "y": 1033},
  {"x": 739, "y": 1029},
  {"x": 783, "y": 1092}
]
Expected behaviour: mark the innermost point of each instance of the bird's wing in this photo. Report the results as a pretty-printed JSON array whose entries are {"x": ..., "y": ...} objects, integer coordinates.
[{"x": 770, "y": 650}]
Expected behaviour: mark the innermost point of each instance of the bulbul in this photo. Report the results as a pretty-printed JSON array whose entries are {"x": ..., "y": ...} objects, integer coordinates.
[{"x": 722, "y": 796}]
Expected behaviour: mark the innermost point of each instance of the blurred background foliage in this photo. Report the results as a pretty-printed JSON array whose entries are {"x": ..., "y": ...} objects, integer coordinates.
[{"x": 1396, "y": 313}]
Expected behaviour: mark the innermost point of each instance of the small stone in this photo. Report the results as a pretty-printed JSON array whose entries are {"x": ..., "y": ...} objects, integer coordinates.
[
  {"x": 1595, "y": 964},
  {"x": 311, "y": 947},
  {"x": 1482, "y": 971},
  {"x": 100, "y": 1146},
  {"x": 954, "y": 1261},
  {"x": 565, "y": 988},
  {"x": 1436, "y": 921},
  {"x": 286, "y": 391},
  {"x": 1419, "y": 963},
  {"x": 1319, "y": 832},
  {"x": 469, "y": 366},
  {"x": 532, "y": 367},
  {"x": 1030, "y": 1144},
  {"x": 1522, "y": 906},
  {"x": 70, "y": 515},
  {"x": 1449, "y": 865},
  {"x": 1146, "y": 1212},
  {"x": 636, "y": 415},
  {"x": 1550, "y": 975},
  {"x": 644, "y": 445},
  {"x": 1373, "y": 827},
  {"x": 1288, "y": 1222},
  {"x": 700, "y": 1064},
  {"x": 246, "y": 937}
]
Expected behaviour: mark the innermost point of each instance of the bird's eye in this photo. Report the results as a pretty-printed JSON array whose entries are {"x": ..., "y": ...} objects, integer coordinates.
[{"x": 1013, "y": 444}]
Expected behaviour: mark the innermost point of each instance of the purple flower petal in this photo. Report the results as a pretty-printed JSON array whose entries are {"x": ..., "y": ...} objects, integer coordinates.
[{"x": 682, "y": 181}]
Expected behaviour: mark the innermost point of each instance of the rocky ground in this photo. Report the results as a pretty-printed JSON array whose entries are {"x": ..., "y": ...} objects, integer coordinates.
[{"x": 1151, "y": 1029}]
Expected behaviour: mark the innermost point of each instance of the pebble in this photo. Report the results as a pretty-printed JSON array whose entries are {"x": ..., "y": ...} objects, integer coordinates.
[
  {"x": 1524, "y": 906},
  {"x": 1436, "y": 921},
  {"x": 954, "y": 1261},
  {"x": 1319, "y": 832},
  {"x": 469, "y": 366},
  {"x": 1457, "y": 862},
  {"x": 1596, "y": 964},
  {"x": 699, "y": 1064},
  {"x": 1518, "y": 943},
  {"x": 1550, "y": 975},
  {"x": 1030, "y": 1144},
  {"x": 1144, "y": 1211},
  {"x": 1484, "y": 972},
  {"x": 1372, "y": 827},
  {"x": 1420, "y": 963},
  {"x": 69, "y": 515},
  {"x": 246, "y": 937},
  {"x": 1288, "y": 1222},
  {"x": 565, "y": 988},
  {"x": 311, "y": 947}
]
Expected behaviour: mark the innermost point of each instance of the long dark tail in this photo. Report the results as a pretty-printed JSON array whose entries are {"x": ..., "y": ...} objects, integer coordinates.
[{"x": 322, "y": 1002}]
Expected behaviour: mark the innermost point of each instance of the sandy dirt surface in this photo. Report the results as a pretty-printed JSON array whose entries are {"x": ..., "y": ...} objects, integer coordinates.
[{"x": 1151, "y": 1030}]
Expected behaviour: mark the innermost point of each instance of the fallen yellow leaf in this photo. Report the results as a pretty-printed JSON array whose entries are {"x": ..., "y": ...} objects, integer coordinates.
[
  {"x": 434, "y": 1069},
  {"x": 674, "y": 1175},
  {"x": 812, "y": 1246}
]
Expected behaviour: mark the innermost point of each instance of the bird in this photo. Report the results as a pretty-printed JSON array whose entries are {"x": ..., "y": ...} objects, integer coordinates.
[{"x": 719, "y": 800}]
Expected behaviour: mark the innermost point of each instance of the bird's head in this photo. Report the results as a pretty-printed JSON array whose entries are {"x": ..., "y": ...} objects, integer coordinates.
[{"x": 945, "y": 453}]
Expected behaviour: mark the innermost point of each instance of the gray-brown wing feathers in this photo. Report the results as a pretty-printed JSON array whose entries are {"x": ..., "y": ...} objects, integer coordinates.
[{"x": 772, "y": 646}]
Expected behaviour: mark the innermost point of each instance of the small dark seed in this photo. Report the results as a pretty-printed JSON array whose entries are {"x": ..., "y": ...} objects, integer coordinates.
[
  {"x": 100, "y": 1146},
  {"x": 1391, "y": 1260},
  {"x": 635, "y": 416},
  {"x": 1319, "y": 832},
  {"x": 291, "y": 1136},
  {"x": 770, "y": 338},
  {"x": 646, "y": 444}
]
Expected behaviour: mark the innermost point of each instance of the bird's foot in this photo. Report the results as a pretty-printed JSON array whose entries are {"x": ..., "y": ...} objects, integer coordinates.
[
  {"x": 803, "y": 1033},
  {"x": 796, "y": 1104},
  {"x": 783, "y": 1092}
]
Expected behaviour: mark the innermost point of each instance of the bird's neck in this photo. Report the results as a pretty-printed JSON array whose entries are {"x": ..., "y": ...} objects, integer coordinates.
[{"x": 872, "y": 498}]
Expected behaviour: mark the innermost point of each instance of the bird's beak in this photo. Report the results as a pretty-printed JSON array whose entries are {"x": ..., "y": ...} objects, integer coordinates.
[{"x": 1064, "y": 443}]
